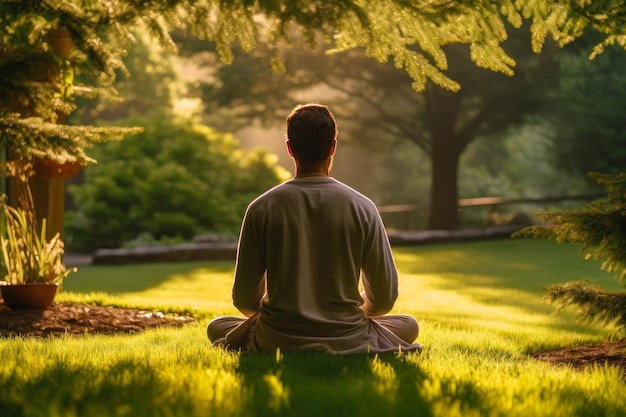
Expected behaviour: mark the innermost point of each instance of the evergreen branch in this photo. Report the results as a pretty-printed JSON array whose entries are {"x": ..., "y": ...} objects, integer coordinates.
[
  {"x": 35, "y": 138},
  {"x": 594, "y": 304}
]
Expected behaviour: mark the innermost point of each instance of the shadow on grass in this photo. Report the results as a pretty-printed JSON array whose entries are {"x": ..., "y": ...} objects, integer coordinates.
[
  {"x": 294, "y": 385},
  {"x": 61, "y": 389},
  {"x": 312, "y": 385},
  {"x": 309, "y": 384}
]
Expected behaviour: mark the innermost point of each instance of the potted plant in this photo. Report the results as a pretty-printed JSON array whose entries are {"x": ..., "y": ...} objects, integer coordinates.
[{"x": 33, "y": 265}]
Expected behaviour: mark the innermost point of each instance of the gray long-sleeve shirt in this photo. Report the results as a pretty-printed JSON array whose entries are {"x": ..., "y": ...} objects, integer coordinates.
[{"x": 304, "y": 248}]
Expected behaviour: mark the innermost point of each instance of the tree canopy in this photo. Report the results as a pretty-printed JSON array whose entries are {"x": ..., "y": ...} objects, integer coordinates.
[
  {"x": 410, "y": 33},
  {"x": 39, "y": 75}
]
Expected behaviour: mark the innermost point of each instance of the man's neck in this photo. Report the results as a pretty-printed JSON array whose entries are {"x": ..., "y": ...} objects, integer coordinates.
[
  {"x": 312, "y": 171},
  {"x": 311, "y": 174}
]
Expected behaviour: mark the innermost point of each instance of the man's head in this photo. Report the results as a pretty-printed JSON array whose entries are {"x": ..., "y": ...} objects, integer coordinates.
[{"x": 311, "y": 133}]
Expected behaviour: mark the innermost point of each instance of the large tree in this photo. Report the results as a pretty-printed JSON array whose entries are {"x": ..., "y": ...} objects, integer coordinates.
[{"x": 378, "y": 109}]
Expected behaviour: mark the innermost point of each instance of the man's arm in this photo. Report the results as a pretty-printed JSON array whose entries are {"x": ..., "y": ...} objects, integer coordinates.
[
  {"x": 380, "y": 276},
  {"x": 249, "y": 285}
]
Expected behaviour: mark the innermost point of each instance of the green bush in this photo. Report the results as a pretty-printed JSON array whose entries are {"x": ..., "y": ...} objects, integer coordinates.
[{"x": 175, "y": 180}]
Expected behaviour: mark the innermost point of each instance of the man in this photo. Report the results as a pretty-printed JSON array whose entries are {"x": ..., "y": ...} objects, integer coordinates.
[{"x": 303, "y": 249}]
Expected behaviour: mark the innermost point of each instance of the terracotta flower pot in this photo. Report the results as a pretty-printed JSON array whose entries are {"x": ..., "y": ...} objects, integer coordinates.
[
  {"x": 49, "y": 169},
  {"x": 29, "y": 296}
]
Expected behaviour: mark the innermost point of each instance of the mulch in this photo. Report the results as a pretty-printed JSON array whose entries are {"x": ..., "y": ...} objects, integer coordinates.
[
  {"x": 79, "y": 319},
  {"x": 582, "y": 357}
]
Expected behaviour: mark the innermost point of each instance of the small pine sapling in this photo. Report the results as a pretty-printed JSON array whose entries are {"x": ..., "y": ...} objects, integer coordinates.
[{"x": 600, "y": 230}]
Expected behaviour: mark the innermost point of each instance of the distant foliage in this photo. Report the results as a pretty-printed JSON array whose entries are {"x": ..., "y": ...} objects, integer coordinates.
[
  {"x": 175, "y": 180},
  {"x": 587, "y": 111},
  {"x": 600, "y": 230}
]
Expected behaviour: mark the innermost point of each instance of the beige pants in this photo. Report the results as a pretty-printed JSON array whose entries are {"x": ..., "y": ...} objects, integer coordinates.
[{"x": 233, "y": 331}]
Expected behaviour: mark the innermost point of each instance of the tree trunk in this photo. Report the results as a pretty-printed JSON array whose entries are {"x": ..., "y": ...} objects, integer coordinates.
[
  {"x": 443, "y": 112},
  {"x": 444, "y": 210}
]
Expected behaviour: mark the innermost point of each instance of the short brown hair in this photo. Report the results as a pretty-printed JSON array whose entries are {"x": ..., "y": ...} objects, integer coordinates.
[{"x": 311, "y": 130}]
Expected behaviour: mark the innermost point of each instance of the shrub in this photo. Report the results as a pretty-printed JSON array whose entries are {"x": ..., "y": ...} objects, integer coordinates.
[
  {"x": 175, "y": 180},
  {"x": 600, "y": 230}
]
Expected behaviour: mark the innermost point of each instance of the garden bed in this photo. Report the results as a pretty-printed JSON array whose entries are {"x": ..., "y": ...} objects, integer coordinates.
[
  {"x": 79, "y": 319},
  {"x": 580, "y": 357}
]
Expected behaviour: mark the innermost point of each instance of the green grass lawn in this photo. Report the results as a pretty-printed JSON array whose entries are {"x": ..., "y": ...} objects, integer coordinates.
[{"x": 479, "y": 305}]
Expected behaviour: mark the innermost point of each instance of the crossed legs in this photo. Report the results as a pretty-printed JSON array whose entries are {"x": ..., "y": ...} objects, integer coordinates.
[{"x": 402, "y": 325}]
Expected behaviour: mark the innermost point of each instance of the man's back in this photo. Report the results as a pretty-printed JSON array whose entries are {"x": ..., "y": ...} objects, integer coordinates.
[{"x": 313, "y": 235}]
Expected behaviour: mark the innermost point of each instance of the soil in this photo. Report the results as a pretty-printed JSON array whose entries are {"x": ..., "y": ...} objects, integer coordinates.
[
  {"x": 580, "y": 357},
  {"x": 79, "y": 319}
]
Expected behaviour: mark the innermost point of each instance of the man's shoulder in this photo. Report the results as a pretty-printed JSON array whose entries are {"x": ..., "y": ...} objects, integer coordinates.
[
  {"x": 353, "y": 194},
  {"x": 349, "y": 189},
  {"x": 331, "y": 186},
  {"x": 269, "y": 194}
]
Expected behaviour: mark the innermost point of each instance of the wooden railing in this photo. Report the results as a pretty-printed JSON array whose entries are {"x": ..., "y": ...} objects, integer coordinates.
[{"x": 491, "y": 202}]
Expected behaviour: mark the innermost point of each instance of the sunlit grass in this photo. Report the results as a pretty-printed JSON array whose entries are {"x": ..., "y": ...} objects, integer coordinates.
[
  {"x": 481, "y": 313},
  {"x": 496, "y": 287},
  {"x": 200, "y": 287}
]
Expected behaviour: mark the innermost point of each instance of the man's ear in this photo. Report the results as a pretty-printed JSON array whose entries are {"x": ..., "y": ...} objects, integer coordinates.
[
  {"x": 333, "y": 147},
  {"x": 289, "y": 148}
]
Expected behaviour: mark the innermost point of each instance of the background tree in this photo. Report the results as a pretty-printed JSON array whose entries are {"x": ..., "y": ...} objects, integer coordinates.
[
  {"x": 588, "y": 124},
  {"x": 412, "y": 35},
  {"x": 152, "y": 84},
  {"x": 379, "y": 110}
]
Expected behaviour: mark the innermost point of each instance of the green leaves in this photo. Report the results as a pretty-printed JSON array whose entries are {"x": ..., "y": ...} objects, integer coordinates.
[
  {"x": 28, "y": 256},
  {"x": 35, "y": 138},
  {"x": 599, "y": 228},
  {"x": 412, "y": 34}
]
